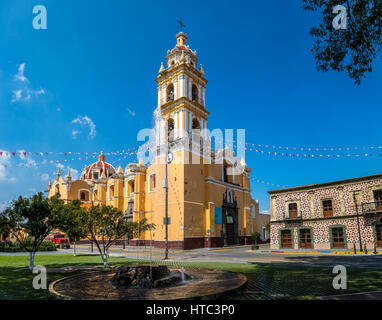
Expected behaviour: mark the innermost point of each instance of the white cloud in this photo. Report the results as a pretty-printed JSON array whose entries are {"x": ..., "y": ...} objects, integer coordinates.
[
  {"x": 3, "y": 206},
  {"x": 84, "y": 121},
  {"x": 20, "y": 73},
  {"x": 264, "y": 212},
  {"x": 16, "y": 95},
  {"x": 132, "y": 112},
  {"x": 25, "y": 157},
  {"x": 4, "y": 162},
  {"x": 39, "y": 92},
  {"x": 45, "y": 177},
  {"x": 75, "y": 133},
  {"x": 23, "y": 93},
  {"x": 64, "y": 171},
  {"x": 74, "y": 173}
]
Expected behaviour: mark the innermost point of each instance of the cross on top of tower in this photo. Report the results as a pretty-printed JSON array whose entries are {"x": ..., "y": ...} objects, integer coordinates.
[{"x": 181, "y": 24}]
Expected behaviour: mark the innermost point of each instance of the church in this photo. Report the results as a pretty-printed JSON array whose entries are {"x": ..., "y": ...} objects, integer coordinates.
[{"x": 209, "y": 201}]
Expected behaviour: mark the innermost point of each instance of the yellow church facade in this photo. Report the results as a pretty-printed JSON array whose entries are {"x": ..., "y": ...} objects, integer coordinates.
[{"x": 209, "y": 193}]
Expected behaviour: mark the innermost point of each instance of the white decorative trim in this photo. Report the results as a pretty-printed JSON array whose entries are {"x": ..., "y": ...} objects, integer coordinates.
[
  {"x": 79, "y": 195},
  {"x": 108, "y": 192},
  {"x": 127, "y": 186},
  {"x": 148, "y": 184},
  {"x": 54, "y": 187},
  {"x": 226, "y": 185}
]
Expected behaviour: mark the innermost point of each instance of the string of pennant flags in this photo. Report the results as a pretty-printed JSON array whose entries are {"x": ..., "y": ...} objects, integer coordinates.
[
  {"x": 314, "y": 148},
  {"x": 310, "y": 155},
  {"x": 29, "y": 153},
  {"x": 123, "y": 152},
  {"x": 32, "y": 163},
  {"x": 267, "y": 183}
]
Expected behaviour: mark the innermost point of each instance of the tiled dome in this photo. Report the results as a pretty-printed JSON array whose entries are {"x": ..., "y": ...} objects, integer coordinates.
[{"x": 97, "y": 169}]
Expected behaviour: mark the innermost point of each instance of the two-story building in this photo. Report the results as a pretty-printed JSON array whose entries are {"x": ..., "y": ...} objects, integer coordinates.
[{"x": 328, "y": 215}]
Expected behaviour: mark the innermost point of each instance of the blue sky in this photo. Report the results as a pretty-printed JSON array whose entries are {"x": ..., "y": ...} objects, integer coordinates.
[{"x": 98, "y": 59}]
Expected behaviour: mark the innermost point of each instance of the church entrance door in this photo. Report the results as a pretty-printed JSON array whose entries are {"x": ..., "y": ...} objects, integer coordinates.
[
  {"x": 230, "y": 220},
  {"x": 230, "y": 231}
]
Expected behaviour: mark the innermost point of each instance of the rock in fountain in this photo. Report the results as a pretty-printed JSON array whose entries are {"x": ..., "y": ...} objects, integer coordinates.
[{"x": 139, "y": 276}]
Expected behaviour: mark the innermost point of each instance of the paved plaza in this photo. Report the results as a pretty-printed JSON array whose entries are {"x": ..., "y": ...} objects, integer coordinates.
[{"x": 241, "y": 254}]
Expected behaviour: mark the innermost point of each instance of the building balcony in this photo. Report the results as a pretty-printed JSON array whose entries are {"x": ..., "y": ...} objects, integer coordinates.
[
  {"x": 293, "y": 218},
  {"x": 371, "y": 208}
]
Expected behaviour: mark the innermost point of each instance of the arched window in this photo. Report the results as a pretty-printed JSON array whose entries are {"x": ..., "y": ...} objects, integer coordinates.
[
  {"x": 84, "y": 195},
  {"x": 130, "y": 187},
  {"x": 194, "y": 93},
  {"x": 195, "y": 124},
  {"x": 111, "y": 192},
  {"x": 170, "y": 93},
  {"x": 130, "y": 207},
  {"x": 152, "y": 182},
  {"x": 170, "y": 129},
  {"x": 225, "y": 175},
  {"x": 57, "y": 188}
]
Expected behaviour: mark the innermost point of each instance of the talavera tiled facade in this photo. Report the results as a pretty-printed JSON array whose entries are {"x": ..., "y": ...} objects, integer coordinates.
[{"x": 324, "y": 216}]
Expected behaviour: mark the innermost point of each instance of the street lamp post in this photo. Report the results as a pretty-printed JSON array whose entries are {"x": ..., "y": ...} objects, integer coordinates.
[
  {"x": 91, "y": 242},
  {"x": 359, "y": 228},
  {"x": 166, "y": 206}
]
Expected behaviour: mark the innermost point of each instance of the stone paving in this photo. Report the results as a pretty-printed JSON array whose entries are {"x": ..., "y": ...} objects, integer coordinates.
[{"x": 242, "y": 254}]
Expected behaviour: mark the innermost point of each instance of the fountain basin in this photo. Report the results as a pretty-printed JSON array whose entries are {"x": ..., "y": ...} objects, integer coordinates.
[{"x": 201, "y": 284}]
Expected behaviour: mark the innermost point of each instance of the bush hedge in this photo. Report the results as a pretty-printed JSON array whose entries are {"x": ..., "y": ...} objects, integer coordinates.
[{"x": 17, "y": 247}]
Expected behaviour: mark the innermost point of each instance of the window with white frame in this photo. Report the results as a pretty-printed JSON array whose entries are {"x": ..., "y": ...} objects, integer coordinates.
[
  {"x": 130, "y": 187},
  {"x": 152, "y": 182},
  {"x": 264, "y": 234},
  {"x": 111, "y": 192},
  {"x": 84, "y": 195}
]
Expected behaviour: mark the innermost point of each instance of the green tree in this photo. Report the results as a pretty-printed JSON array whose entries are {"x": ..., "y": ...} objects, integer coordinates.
[
  {"x": 70, "y": 223},
  {"x": 352, "y": 49},
  {"x": 255, "y": 236},
  {"x": 37, "y": 216},
  {"x": 105, "y": 224}
]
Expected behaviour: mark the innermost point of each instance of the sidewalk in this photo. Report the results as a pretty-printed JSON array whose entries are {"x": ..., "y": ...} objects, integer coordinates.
[
  {"x": 375, "y": 295},
  {"x": 317, "y": 252},
  {"x": 264, "y": 249}
]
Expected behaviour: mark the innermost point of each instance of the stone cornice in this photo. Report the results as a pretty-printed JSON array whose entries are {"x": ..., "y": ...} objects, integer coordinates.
[{"x": 173, "y": 72}]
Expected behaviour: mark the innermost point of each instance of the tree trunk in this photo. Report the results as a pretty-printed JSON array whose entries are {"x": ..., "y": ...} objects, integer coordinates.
[
  {"x": 31, "y": 260},
  {"x": 104, "y": 258}
]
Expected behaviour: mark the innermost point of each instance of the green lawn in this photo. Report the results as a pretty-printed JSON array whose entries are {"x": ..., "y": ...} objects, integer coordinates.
[{"x": 266, "y": 281}]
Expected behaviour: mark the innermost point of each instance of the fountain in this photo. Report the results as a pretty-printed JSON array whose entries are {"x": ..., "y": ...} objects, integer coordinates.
[
  {"x": 145, "y": 282},
  {"x": 147, "y": 277}
]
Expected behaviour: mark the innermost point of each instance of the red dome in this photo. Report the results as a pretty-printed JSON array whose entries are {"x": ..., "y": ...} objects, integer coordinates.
[{"x": 96, "y": 169}]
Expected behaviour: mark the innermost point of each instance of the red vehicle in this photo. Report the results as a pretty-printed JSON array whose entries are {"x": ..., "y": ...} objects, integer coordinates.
[{"x": 61, "y": 239}]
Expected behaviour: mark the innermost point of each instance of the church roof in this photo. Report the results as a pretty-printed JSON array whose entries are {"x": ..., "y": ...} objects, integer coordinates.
[{"x": 101, "y": 166}]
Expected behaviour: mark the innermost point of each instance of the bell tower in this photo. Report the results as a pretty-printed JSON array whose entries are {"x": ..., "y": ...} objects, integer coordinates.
[{"x": 181, "y": 93}]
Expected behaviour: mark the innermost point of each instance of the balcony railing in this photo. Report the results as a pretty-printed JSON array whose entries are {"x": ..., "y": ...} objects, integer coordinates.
[
  {"x": 287, "y": 217},
  {"x": 372, "y": 207}
]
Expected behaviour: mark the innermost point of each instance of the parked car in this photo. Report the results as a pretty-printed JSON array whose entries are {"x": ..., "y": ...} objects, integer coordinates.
[{"x": 61, "y": 239}]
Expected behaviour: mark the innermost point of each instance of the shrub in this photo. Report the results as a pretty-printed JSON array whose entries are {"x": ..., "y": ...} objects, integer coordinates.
[{"x": 16, "y": 247}]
